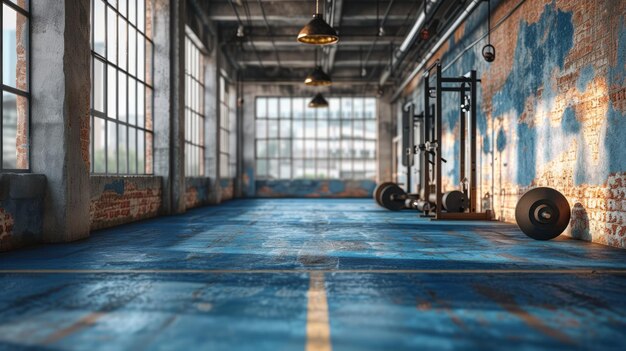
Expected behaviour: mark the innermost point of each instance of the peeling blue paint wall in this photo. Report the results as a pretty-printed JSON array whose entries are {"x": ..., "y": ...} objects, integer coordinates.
[{"x": 552, "y": 107}]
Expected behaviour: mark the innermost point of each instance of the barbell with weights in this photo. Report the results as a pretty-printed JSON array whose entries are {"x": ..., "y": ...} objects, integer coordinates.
[{"x": 392, "y": 197}]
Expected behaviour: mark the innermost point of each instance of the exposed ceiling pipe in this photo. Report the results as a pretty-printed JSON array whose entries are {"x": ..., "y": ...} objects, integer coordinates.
[
  {"x": 466, "y": 12},
  {"x": 380, "y": 25},
  {"x": 407, "y": 43}
]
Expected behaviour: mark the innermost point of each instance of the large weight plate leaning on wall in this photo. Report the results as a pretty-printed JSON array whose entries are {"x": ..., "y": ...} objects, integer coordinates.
[
  {"x": 542, "y": 213},
  {"x": 389, "y": 197},
  {"x": 379, "y": 188}
]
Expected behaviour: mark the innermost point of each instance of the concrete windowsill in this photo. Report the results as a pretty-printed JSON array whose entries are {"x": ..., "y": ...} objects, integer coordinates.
[{"x": 18, "y": 186}]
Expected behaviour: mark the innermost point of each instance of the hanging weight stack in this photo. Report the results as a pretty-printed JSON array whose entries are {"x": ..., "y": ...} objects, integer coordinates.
[{"x": 542, "y": 213}]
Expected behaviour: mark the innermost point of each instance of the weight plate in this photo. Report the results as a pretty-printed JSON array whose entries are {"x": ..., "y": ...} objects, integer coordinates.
[
  {"x": 542, "y": 213},
  {"x": 454, "y": 201},
  {"x": 379, "y": 188},
  {"x": 389, "y": 195}
]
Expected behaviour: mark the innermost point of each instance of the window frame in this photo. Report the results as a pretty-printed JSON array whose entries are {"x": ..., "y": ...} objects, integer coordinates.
[
  {"x": 328, "y": 138},
  {"x": 104, "y": 60},
  {"x": 224, "y": 128},
  {"x": 190, "y": 39},
  {"x": 15, "y": 91}
]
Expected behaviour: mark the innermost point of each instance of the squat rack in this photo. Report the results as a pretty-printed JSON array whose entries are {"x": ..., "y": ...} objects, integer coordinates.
[{"x": 464, "y": 85}]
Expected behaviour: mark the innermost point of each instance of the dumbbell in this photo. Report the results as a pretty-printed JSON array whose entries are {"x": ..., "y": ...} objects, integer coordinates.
[{"x": 542, "y": 213}]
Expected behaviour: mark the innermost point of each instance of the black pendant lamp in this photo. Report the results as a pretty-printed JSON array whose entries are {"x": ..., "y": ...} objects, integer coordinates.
[
  {"x": 318, "y": 101},
  {"x": 317, "y": 31},
  {"x": 318, "y": 77}
]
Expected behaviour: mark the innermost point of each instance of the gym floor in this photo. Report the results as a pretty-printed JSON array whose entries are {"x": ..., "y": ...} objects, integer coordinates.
[{"x": 315, "y": 275}]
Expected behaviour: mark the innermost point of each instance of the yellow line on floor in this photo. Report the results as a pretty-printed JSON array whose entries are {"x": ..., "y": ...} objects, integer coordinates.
[
  {"x": 82, "y": 323},
  {"x": 317, "y": 324},
  {"x": 310, "y": 271}
]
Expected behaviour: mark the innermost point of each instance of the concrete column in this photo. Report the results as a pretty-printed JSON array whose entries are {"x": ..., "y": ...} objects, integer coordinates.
[
  {"x": 386, "y": 133},
  {"x": 211, "y": 127},
  {"x": 60, "y": 114},
  {"x": 169, "y": 103}
]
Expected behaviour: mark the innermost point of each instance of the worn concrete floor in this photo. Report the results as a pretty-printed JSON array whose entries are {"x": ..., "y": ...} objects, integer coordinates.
[{"x": 315, "y": 275}]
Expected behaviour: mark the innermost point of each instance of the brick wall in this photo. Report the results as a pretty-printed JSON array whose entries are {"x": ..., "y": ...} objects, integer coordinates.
[
  {"x": 119, "y": 200},
  {"x": 198, "y": 192},
  {"x": 552, "y": 108}
]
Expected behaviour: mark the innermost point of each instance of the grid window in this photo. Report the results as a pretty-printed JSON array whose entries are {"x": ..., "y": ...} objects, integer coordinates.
[
  {"x": 296, "y": 142},
  {"x": 121, "y": 95},
  {"x": 194, "y": 108},
  {"x": 225, "y": 129},
  {"x": 14, "y": 126}
]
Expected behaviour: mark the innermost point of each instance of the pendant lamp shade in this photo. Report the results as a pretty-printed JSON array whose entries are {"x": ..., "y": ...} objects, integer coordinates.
[
  {"x": 318, "y": 78},
  {"x": 318, "y": 101},
  {"x": 317, "y": 31}
]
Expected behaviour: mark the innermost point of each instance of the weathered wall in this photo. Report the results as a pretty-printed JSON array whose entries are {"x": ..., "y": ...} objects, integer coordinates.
[
  {"x": 552, "y": 108},
  {"x": 198, "y": 191},
  {"x": 21, "y": 210},
  {"x": 119, "y": 200},
  {"x": 253, "y": 187}
]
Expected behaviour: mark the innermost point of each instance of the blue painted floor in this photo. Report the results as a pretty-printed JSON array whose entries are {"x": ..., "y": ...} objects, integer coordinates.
[{"x": 239, "y": 277}]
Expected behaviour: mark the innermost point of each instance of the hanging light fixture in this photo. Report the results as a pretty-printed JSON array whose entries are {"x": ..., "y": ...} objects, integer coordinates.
[
  {"x": 318, "y": 101},
  {"x": 317, "y": 31},
  {"x": 318, "y": 77},
  {"x": 489, "y": 52}
]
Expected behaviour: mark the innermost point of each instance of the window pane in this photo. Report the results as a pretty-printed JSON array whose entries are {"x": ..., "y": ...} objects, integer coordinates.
[
  {"x": 98, "y": 85},
  {"x": 122, "y": 37},
  {"x": 132, "y": 11},
  {"x": 14, "y": 45},
  {"x": 132, "y": 101},
  {"x": 141, "y": 105},
  {"x": 112, "y": 147},
  {"x": 112, "y": 92},
  {"x": 99, "y": 29},
  {"x": 141, "y": 19},
  {"x": 285, "y": 128},
  {"x": 285, "y": 107},
  {"x": 261, "y": 107},
  {"x": 111, "y": 35},
  {"x": 14, "y": 131},
  {"x": 141, "y": 159},
  {"x": 272, "y": 107},
  {"x": 132, "y": 51},
  {"x": 122, "y": 146},
  {"x": 122, "y": 6},
  {"x": 122, "y": 98},
  {"x": 99, "y": 150},
  {"x": 132, "y": 150}
]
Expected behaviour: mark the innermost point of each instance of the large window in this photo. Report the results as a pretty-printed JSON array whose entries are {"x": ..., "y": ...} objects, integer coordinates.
[
  {"x": 121, "y": 95},
  {"x": 295, "y": 142},
  {"x": 225, "y": 128},
  {"x": 194, "y": 108},
  {"x": 14, "y": 126}
]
